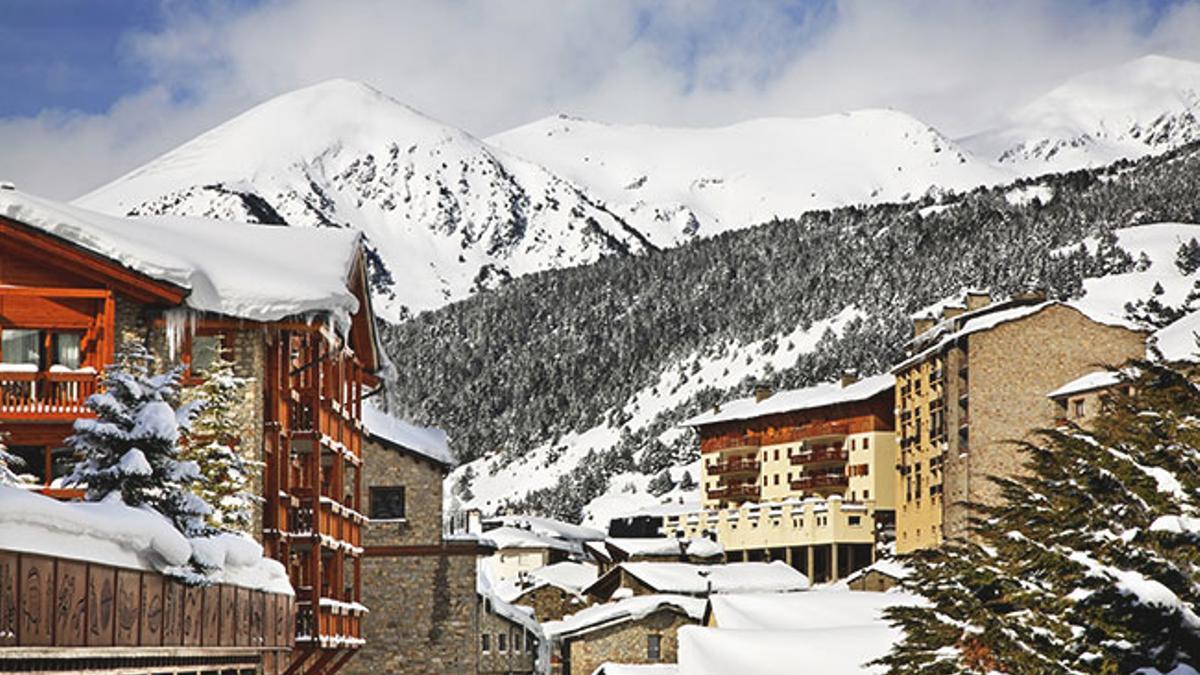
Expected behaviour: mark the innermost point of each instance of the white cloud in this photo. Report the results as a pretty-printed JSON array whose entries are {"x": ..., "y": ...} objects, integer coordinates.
[{"x": 487, "y": 65}]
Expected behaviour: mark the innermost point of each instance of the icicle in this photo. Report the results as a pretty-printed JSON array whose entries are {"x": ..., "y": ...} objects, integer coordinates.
[{"x": 180, "y": 322}]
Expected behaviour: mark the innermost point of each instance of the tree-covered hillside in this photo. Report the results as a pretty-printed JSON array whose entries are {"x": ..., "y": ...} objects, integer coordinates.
[{"x": 564, "y": 350}]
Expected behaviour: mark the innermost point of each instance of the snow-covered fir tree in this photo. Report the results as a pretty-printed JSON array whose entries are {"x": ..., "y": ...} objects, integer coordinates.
[
  {"x": 1092, "y": 562},
  {"x": 9, "y": 462},
  {"x": 131, "y": 450},
  {"x": 212, "y": 444}
]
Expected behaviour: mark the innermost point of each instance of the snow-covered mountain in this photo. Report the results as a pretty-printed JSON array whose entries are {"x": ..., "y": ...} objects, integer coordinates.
[
  {"x": 1142, "y": 107},
  {"x": 676, "y": 183},
  {"x": 445, "y": 213}
]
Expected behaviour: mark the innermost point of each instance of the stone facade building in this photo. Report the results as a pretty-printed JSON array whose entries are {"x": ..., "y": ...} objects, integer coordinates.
[
  {"x": 636, "y": 630},
  {"x": 975, "y": 383}
]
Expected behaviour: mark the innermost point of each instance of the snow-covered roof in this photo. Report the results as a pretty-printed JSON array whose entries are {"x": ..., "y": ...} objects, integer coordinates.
[
  {"x": 549, "y": 527},
  {"x": 985, "y": 320},
  {"x": 608, "y": 668},
  {"x": 632, "y": 547},
  {"x": 427, "y": 442},
  {"x": 1100, "y": 379},
  {"x": 255, "y": 272},
  {"x": 818, "y": 396},
  {"x": 958, "y": 300},
  {"x": 629, "y": 609},
  {"x": 691, "y": 579},
  {"x": 514, "y": 537},
  {"x": 568, "y": 575},
  {"x": 703, "y": 547},
  {"x": 832, "y": 630},
  {"x": 518, "y": 614},
  {"x": 112, "y": 533},
  {"x": 1178, "y": 341},
  {"x": 886, "y": 566}
]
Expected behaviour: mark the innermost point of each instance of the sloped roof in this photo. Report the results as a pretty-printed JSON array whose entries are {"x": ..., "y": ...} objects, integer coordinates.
[
  {"x": 795, "y": 400},
  {"x": 515, "y": 537},
  {"x": 630, "y": 609},
  {"x": 429, "y": 443},
  {"x": 692, "y": 579},
  {"x": 820, "y": 608},
  {"x": 1100, "y": 379}
]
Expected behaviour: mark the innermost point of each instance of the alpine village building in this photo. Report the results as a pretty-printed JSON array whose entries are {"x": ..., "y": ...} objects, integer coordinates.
[
  {"x": 980, "y": 374},
  {"x": 802, "y": 476},
  {"x": 290, "y": 307}
]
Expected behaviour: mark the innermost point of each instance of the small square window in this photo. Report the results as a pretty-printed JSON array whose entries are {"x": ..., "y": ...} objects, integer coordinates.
[
  {"x": 387, "y": 503},
  {"x": 653, "y": 647}
]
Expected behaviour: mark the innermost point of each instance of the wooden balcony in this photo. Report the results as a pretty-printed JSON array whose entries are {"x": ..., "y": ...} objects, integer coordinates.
[
  {"x": 133, "y": 619},
  {"x": 338, "y": 526},
  {"x": 721, "y": 444},
  {"x": 812, "y": 430},
  {"x": 734, "y": 466},
  {"x": 822, "y": 481},
  {"x": 743, "y": 491},
  {"x": 46, "y": 396},
  {"x": 334, "y": 624},
  {"x": 821, "y": 456}
]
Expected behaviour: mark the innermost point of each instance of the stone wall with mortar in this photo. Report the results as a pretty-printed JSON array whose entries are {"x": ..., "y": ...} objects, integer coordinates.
[{"x": 626, "y": 642}]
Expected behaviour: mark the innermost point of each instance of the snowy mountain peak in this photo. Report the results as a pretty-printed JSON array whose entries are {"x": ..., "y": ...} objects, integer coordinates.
[
  {"x": 446, "y": 215},
  {"x": 1150, "y": 104}
]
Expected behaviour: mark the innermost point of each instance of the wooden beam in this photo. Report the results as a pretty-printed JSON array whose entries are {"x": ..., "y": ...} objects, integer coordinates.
[
  {"x": 52, "y": 292},
  {"x": 445, "y": 548}
]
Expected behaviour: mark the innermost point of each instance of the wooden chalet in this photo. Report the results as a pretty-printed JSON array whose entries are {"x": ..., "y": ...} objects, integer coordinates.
[{"x": 289, "y": 306}]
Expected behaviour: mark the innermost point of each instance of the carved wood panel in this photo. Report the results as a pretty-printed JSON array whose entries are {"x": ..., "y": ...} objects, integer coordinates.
[
  {"x": 8, "y": 599},
  {"x": 102, "y": 603},
  {"x": 173, "y": 593},
  {"x": 129, "y": 604},
  {"x": 70, "y": 604},
  {"x": 152, "y": 610},
  {"x": 192, "y": 616},
  {"x": 243, "y": 610},
  {"x": 212, "y": 616},
  {"x": 36, "y": 590}
]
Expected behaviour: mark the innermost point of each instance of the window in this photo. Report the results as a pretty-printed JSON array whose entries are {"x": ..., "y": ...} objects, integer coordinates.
[
  {"x": 485, "y": 643},
  {"x": 33, "y": 458},
  {"x": 502, "y": 643},
  {"x": 19, "y": 346},
  {"x": 517, "y": 638},
  {"x": 387, "y": 503},
  {"x": 653, "y": 647},
  {"x": 866, "y": 495},
  {"x": 1077, "y": 407},
  {"x": 206, "y": 349},
  {"x": 777, "y": 455},
  {"x": 777, "y": 479},
  {"x": 67, "y": 352},
  {"x": 866, "y": 444},
  {"x": 855, "y": 521}
]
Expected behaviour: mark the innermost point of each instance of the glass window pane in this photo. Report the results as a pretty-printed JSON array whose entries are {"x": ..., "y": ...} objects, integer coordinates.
[
  {"x": 20, "y": 346},
  {"x": 34, "y": 458},
  {"x": 66, "y": 350},
  {"x": 205, "y": 350}
]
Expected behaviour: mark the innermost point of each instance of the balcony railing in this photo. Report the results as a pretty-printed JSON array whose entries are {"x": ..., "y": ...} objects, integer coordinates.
[
  {"x": 45, "y": 395},
  {"x": 741, "y": 491},
  {"x": 735, "y": 442},
  {"x": 807, "y": 432},
  {"x": 734, "y": 466},
  {"x": 821, "y": 480},
  {"x": 333, "y": 624},
  {"x": 820, "y": 455}
]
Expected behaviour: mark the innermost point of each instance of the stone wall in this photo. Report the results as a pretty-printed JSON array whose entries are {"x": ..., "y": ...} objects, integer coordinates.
[
  {"x": 510, "y": 659},
  {"x": 551, "y": 603},
  {"x": 1011, "y": 369},
  {"x": 422, "y": 482},
  {"x": 625, "y": 642}
]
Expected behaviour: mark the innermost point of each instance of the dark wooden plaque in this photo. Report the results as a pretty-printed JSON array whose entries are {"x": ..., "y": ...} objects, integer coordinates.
[
  {"x": 102, "y": 605},
  {"x": 192, "y": 616},
  {"x": 212, "y": 616},
  {"x": 129, "y": 607},
  {"x": 36, "y": 593},
  {"x": 152, "y": 610},
  {"x": 8, "y": 599},
  {"x": 243, "y": 612},
  {"x": 70, "y": 604},
  {"x": 228, "y": 616},
  {"x": 173, "y": 595}
]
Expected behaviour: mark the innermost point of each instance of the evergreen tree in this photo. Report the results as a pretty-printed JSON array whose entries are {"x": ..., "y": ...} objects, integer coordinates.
[
  {"x": 131, "y": 451},
  {"x": 1092, "y": 561},
  {"x": 8, "y": 462},
  {"x": 1187, "y": 258},
  {"x": 226, "y": 484}
]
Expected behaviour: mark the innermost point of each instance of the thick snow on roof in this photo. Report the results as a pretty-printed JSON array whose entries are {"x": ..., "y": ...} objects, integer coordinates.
[
  {"x": 113, "y": 533},
  {"x": 567, "y": 575},
  {"x": 987, "y": 320},
  {"x": 256, "y": 272},
  {"x": 720, "y": 651},
  {"x": 665, "y": 546},
  {"x": 515, "y": 537},
  {"x": 428, "y": 442},
  {"x": 818, "y": 396},
  {"x": 820, "y": 608},
  {"x": 629, "y": 609},
  {"x": 1178, "y": 341},
  {"x": 703, "y": 547},
  {"x": 820, "y": 631},
  {"x": 637, "y": 669},
  {"x": 549, "y": 527},
  {"x": 888, "y": 566},
  {"x": 1099, "y": 379},
  {"x": 746, "y": 577}
]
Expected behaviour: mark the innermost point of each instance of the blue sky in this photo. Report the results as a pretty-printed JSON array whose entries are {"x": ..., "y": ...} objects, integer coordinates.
[{"x": 97, "y": 87}]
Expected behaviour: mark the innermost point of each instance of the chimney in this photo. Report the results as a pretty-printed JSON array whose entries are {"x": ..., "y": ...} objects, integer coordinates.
[
  {"x": 849, "y": 377},
  {"x": 1031, "y": 296},
  {"x": 921, "y": 325},
  {"x": 762, "y": 392},
  {"x": 977, "y": 299}
]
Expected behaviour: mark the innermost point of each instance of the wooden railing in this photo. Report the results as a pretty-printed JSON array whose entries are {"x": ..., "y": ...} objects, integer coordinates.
[
  {"x": 816, "y": 455},
  {"x": 45, "y": 395},
  {"x": 822, "y": 480},
  {"x": 742, "y": 491},
  {"x": 718, "y": 444},
  {"x": 59, "y": 604},
  {"x": 734, "y": 466}
]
